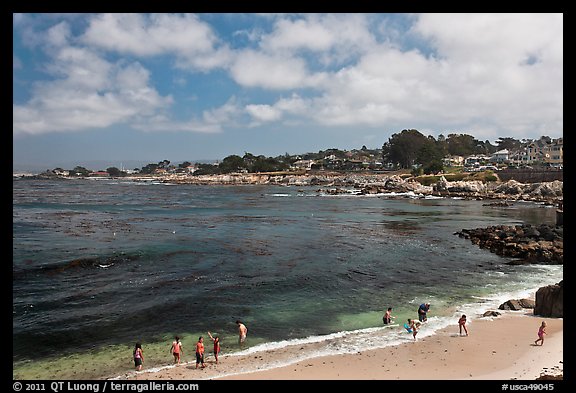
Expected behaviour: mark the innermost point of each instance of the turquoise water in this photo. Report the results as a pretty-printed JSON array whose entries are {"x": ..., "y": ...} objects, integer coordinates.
[{"x": 99, "y": 265}]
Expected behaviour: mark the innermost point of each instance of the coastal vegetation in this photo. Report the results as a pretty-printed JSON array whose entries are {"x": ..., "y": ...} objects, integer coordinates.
[{"x": 409, "y": 153}]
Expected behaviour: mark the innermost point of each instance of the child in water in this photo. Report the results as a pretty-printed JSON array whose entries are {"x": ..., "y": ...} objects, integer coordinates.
[{"x": 414, "y": 326}]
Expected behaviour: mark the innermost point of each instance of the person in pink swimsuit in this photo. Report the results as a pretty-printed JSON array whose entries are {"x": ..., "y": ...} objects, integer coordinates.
[{"x": 541, "y": 333}]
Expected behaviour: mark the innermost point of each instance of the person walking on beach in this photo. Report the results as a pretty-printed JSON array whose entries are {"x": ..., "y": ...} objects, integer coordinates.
[
  {"x": 422, "y": 310},
  {"x": 462, "y": 324},
  {"x": 541, "y": 333},
  {"x": 242, "y": 332},
  {"x": 176, "y": 349},
  {"x": 200, "y": 352},
  {"x": 138, "y": 355},
  {"x": 216, "y": 341},
  {"x": 387, "y": 318}
]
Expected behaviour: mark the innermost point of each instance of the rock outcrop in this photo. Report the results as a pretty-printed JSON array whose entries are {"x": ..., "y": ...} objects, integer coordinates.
[
  {"x": 517, "y": 304},
  {"x": 550, "y": 301},
  {"x": 529, "y": 244}
]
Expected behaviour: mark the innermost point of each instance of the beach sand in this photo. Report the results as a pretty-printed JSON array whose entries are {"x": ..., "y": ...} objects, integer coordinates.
[{"x": 500, "y": 348}]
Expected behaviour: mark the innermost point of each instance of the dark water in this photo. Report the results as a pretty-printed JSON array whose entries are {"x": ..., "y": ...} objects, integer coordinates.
[{"x": 100, "y": 264}]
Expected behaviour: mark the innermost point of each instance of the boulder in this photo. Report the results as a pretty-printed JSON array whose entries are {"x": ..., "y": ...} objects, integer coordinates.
[
  {"x": 513, "y": 305},
  {"x": 527, "y": 303},
  {"x": 491, "y": 314},
  {"x": 550, "y": 301},
  {"x": 511, "y": 187}
]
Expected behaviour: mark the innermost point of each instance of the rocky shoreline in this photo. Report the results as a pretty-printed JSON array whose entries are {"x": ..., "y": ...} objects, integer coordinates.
[
  {"x": 527, "y": 243},
  {"x": 367, "y": 184},
  {"x": 370, "y": 184}
]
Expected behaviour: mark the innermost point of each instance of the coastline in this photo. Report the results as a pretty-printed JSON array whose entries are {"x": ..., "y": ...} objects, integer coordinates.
[
  {"x": 376, "y": 184},
  {"x": 497, "y": 348}
]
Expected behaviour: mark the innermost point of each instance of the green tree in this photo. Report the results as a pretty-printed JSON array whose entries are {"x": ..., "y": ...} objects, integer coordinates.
[
  {"x": 402, "y": 149},
  {"x": 148, "y": 169},
  {"x": 232, "y": 163},
  {"x": 461, "y": 144},
  {"x": 430, "y": 157},
  {"x": 81, "y": 170},
  {"x": 115, "y": 172},
  {"x": 508, "y": 143}
]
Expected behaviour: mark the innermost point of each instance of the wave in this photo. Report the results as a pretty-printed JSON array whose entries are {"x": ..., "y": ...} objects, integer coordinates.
[{"x": 359, "y": 340}]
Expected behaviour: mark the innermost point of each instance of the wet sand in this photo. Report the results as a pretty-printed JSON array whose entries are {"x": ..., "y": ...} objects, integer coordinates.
[{"x": 500, "y": 348}]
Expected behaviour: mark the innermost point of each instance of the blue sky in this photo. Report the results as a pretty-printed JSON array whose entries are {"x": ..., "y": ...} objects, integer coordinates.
[{"x": 148, "y": 87}]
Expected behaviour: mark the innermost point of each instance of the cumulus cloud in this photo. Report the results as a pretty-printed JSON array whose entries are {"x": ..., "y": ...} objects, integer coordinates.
[
  {"x": 185, "y": 36},
  {"x": 482, "y": 73},
  {"x": 90, "y": 93},
  {"x": 277, "y": 72},
  {"x": 491, "y": 72}
]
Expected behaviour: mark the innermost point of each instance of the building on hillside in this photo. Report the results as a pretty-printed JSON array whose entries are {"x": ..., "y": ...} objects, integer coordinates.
[
  {"x": 500, "y": 156},
  {"x": 453, "y": 161},
  {"x": 545, "y": 150},
  {"x": 476, "y": 160},
  {"x": 302, "y": 164}
]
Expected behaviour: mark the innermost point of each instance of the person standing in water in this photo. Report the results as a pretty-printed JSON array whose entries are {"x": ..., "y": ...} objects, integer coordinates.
[
  {"x": 387, "y": 318},
  {"x": 414, "y": 326},
  {"x": 422, "y": 311},
  {"x": 242, "y": 332}
]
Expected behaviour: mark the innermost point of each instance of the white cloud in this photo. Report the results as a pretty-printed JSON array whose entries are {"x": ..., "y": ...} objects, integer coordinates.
[
  {"x": 163, "y": 123},
  {"x": 188, "y": 38},
  {"x": 90, "y": 93},
  {"x": 276, "y": 72},
  {"x": 478, "y": 76},
  {"x": 264, "y": 113},
  {"x": 482, "y": 73}
]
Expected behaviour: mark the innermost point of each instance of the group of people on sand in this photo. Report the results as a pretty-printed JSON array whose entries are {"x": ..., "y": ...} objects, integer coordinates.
[
  {"x": 412, "y": 326},
  {"x": 177, "y": 351}
]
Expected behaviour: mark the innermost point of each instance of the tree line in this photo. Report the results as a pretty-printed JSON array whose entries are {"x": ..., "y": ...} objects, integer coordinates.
[
  {"x": 407, "y": 149},
  {"x": 410, "y": 148}
]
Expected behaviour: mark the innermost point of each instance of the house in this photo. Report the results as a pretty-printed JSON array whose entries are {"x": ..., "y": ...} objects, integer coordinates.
[
  {"x": 500, "y": 156},
  {"x": 453, "y": 161},
  {"x": 546, "y": 150},
  {"x": 303, "y": 164},
  {"x": 475, "y": 160}
]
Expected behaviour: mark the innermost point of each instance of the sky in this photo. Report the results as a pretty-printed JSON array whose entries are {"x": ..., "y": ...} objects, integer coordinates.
[{"x": 191, "y": 87}]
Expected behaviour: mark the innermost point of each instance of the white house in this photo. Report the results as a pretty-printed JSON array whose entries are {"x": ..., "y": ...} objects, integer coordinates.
[{"x": 500, "y": 156}]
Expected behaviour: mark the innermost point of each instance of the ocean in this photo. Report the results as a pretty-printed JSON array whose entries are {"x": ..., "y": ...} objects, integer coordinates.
[{"x": 100, "y": 264}]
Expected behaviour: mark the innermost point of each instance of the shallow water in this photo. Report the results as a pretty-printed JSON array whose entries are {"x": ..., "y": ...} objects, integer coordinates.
[{"x": 99, "y": 265}]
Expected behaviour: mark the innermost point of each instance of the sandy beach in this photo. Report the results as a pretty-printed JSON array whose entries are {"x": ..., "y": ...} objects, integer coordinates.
[{"x": 499, "y": 348}]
